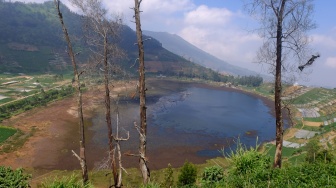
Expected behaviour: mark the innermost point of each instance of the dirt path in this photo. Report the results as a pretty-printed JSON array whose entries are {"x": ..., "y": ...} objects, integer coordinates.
[{"x": 313, "y": 124}]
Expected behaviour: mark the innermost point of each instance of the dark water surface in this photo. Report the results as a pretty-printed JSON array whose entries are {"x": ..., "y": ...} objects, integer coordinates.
[
  {"x": 209, "y": 115},
  {"x": 192, "y": 124}
]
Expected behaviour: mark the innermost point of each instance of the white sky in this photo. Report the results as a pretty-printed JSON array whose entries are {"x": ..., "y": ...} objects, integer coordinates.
[{"x": 223, "y": 29}]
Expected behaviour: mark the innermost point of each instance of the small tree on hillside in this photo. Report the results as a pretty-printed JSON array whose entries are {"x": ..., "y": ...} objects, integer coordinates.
[{"x": 188, "y": 174}]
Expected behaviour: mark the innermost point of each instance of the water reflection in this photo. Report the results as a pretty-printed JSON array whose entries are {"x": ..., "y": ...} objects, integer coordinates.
[{"x": 192, "y": 124}]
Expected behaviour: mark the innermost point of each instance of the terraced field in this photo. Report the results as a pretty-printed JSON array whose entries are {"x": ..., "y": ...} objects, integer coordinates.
[{"x": 18, "y": 86}]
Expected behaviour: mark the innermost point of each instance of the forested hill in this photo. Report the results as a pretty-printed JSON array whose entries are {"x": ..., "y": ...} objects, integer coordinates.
[
  {"x": 35, "y": 24},
  {"x": 31, "y": 40}
]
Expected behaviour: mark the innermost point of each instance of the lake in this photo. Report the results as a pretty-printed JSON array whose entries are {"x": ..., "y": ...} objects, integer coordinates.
[{"x": 190, "y": 122}]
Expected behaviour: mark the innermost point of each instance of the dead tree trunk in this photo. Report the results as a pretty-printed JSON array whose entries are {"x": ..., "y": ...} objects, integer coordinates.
[
  {"x": 108, "y": 113},
  {"x": 142, "y": 90},
  {"x": 118, "y": 140},
  {"x": 101, "y": 34},
  {"x": 81, "y": 157},
  {"x": 278, "y": 90}
]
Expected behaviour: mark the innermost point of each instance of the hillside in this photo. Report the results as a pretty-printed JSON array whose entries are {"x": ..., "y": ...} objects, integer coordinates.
[
  {"x": 178, "y": 45},
  {"x": 31, "y": 41}
]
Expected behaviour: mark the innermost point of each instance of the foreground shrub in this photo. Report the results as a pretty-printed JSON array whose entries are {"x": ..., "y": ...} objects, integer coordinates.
[
  {"x": 313, "y": 148},
  {"x": 306, "y": 175},
  {"x": 188, "y": 175},
  {"x": 168, "y": 177},
  {"x": 13, "y": 178},
  {"x": 212, "y": 175},
  {"x": 248, "y": 160},
  {"x": 65, "y": 182}
]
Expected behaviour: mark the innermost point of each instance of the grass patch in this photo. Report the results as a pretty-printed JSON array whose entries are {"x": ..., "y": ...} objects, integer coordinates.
[
  {"x": 16, "y": 141},
  {"x": 297, "y": 159},
  {"x": 317, "y": 119},
  {"x": 5, "y": 100},
  {"x": 316, "y": 94},
  {"x": 6, "y": 132},
  {"x": 310, "y": 128},
  {"x": 286, "y": 152}
]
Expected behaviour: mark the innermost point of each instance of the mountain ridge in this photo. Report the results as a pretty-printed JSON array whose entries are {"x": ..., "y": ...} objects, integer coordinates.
[{"x": 31, "y": 39}]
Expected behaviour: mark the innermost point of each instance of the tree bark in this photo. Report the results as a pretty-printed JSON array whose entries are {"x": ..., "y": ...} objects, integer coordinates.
[
  {"x": 108, "y": 113},
  {"x": 82, "y": 157},
  {"x": 142, "y": 90},
  {"x": 278, "y": 90}
]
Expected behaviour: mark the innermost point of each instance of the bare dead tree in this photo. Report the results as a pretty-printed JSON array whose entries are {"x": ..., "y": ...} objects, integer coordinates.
[
  {"x": 119, "y": 139},
  {"x": 284, "y": 24},
  {"x": 142, "y": 90},
  {"x": 101, "y": 34},
  {"x": 81, "y": 157}
]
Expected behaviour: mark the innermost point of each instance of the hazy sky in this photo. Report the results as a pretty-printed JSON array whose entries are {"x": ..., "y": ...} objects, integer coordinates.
[{"x": 223, "y": 29}]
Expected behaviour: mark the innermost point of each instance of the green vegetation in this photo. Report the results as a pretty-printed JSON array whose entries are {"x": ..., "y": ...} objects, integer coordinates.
[
  {"x": 168, "y": 177},
  {"x": 188, "y": 175},
  {"x": 248, "y": 160},
  {"x": 39, "y": 99},
  {"x": 316, "y": 94},
  {"x": 16, "y": 141},
  {"x": 6, "y": 132},
  {"x": 248, "y": 168},
  {"x": 212, "y": 175},
  {"x": 13, "y": 178},
  {"x": 66, "y": 181}
]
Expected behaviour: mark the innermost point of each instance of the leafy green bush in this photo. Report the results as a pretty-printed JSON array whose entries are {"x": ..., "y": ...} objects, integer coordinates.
[
  {"x": 65, "y": 182},
  {"x": 212, "y": 175},
  {"x": 325, "y": 156},
  {"x": 313, "y": 148},
  {"x": 249, "y": 167},
  {"x": 248, "y": 160},
  {"x": 13, "y": 178},
  {"x": 188, "y": 175}
]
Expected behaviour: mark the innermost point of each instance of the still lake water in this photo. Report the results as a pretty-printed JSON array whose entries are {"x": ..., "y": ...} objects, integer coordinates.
[
  {"x": 216, "y": 114},
  {"x": 194, "y": 123}
]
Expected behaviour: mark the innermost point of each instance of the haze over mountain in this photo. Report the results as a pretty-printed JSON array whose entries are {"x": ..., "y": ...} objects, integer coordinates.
[{"x": 179, "y": 46}]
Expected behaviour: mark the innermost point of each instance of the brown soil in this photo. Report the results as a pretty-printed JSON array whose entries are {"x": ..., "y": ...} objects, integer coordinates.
[
  {"x": 56, "y": 127},
  {"x": 53, "y": 123},
  {"x": 313, "y": 124}
]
